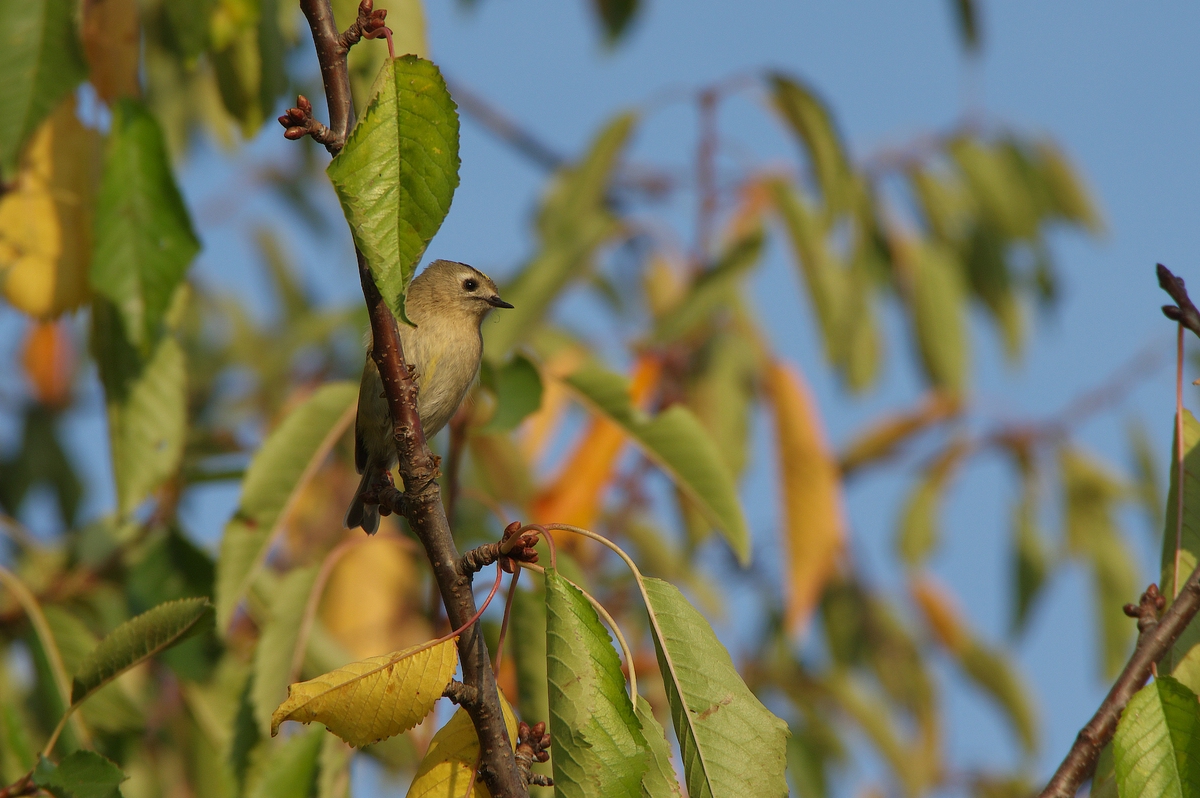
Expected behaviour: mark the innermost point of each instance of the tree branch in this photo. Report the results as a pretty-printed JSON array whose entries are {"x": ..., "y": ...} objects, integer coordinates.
[
  {"x": 1154, "y": 640},
  {"x": 422, "y": 503}
]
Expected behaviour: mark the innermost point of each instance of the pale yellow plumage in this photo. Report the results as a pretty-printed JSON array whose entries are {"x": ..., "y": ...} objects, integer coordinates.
[{"x": 448, "y": 301}]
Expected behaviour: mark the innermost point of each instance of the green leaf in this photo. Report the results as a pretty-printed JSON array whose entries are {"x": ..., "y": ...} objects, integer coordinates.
[
  {"x": 333, "y": 780},
  {"x": 599, "y": 749},
  {"x": 136, "y": 640},
  {"x": 1092, "y": 493},
  {"x": 920, "y": 532},
  {"x": 398, "y": 171},
  {"x": 939, "y": 315},
  {"x": 110, "y": 708},
  {"x": 721, "y": 726},
  {"x": 518, "y": 389},
  {"x": 41, "y": 62},
  {"x": 944, "y": 203},
  {"x": 714, "y": 289},
  {"x": 288, "y": 458},
  {"x": 527, "y": 643},
  {"x": 572, "y": 224},
  {"x": 1068, "y": 197},
  {"x": 676, "y": 441},
  {"x": 529, "y": 651},
  {"x": 966, "y": 14},
  {"x": 992, "y": 671},
  {"x": 144, "y": 238},
  {"x": 723, "y": 390},
  {"x": 82, "y": 774},
  {"x": 247, "y": 55},
  {"x": 1147, "y": 474},
  {"x": 878, "y": 725},
  {"x": 1031, "y": 557},
  {"x": 16, "y": 749},
  {"x": 1157, "y": 744},
  {"x": 810, "y": 120},
  {"x": 998, "y": 184},
  {"x": 660, "y": 780},
  {"x": 147, "y": 424},
  {"x": 189, "y": 27},
  {"x": 614, "y": 16},
  {"x": 290, "y": 769},
  {"x": 1183, "y": 660},
  {"x": 823, "y": 278},
  {"x": 276, "y": 649}
]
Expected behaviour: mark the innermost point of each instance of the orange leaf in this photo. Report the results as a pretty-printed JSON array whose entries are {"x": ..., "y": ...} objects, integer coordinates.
[
  {"x": 49, "y": 363},
  {"x": 814, "y": 524},
  {"x": 538, "y": 429},
  {"x": 112, "y": 44},
  {"x": 883, "y": 438},
  {"x": 574, "y": 497},
  {"x": 940, "y": 613}
]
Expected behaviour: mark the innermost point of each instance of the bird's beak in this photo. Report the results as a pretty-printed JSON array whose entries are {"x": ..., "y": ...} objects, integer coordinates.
[{"x": 495, "y": 301}]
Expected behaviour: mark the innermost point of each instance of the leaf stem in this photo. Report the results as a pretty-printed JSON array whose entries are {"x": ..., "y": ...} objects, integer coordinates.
[
  {"x": 1178, "y": 458},
  {"x": 508, "y": 602}
]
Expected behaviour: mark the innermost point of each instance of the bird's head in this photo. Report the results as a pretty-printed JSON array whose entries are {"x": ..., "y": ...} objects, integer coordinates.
[{"x": 452, "y": 290}]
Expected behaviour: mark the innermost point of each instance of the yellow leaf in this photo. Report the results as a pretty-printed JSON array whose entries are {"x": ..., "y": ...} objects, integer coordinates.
[
  {"x": 452, "y": 758},
  {"x": 940, "y": 613},
  {"x": 112, "y": 45},
  {"x": 367, "y": 701},
  {"x": 812, "y": 494},
  {"x": 575, "y": 496},
  {"x": 46, "y": 220},
  {"x": 373, "y": 600}
]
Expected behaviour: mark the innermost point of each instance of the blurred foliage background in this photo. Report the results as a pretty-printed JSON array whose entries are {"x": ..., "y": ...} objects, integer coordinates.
[{"x": 109, "y": 99}]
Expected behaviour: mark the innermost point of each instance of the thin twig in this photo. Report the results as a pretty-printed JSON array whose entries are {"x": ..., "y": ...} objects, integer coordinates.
[
  {"x": 1178, "y": 459},
  {"x": 706, "y": 177},
  {"x": 22, "y": 786}
]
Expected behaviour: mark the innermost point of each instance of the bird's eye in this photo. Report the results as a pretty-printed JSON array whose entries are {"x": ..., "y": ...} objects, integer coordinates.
[{"x": 470, "y": 284}]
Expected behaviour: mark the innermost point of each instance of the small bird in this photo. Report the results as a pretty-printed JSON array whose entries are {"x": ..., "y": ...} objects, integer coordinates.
[{"x": 448, "y": 301}]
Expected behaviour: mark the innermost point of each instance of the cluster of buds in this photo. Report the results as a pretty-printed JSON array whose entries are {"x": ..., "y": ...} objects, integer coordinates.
[
  {"x": 519, "y": 550},
  {"x": 298, "y": 122},
  {"x": 371, "y": 21}
]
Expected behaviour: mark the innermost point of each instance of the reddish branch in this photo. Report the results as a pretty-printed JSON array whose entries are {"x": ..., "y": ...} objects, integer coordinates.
[
  {"x": 421, "y": 501},
  {"x": 1156, "y": 635},
  {"x": 22, "y": 786}
]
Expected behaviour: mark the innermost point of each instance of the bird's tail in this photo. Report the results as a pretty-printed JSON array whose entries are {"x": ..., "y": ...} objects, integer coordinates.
[{"x": 360, "y": 514}]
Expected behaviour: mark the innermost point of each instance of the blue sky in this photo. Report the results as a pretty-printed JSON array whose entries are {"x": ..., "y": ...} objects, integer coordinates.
[{"x": 1114, "y": 83}]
